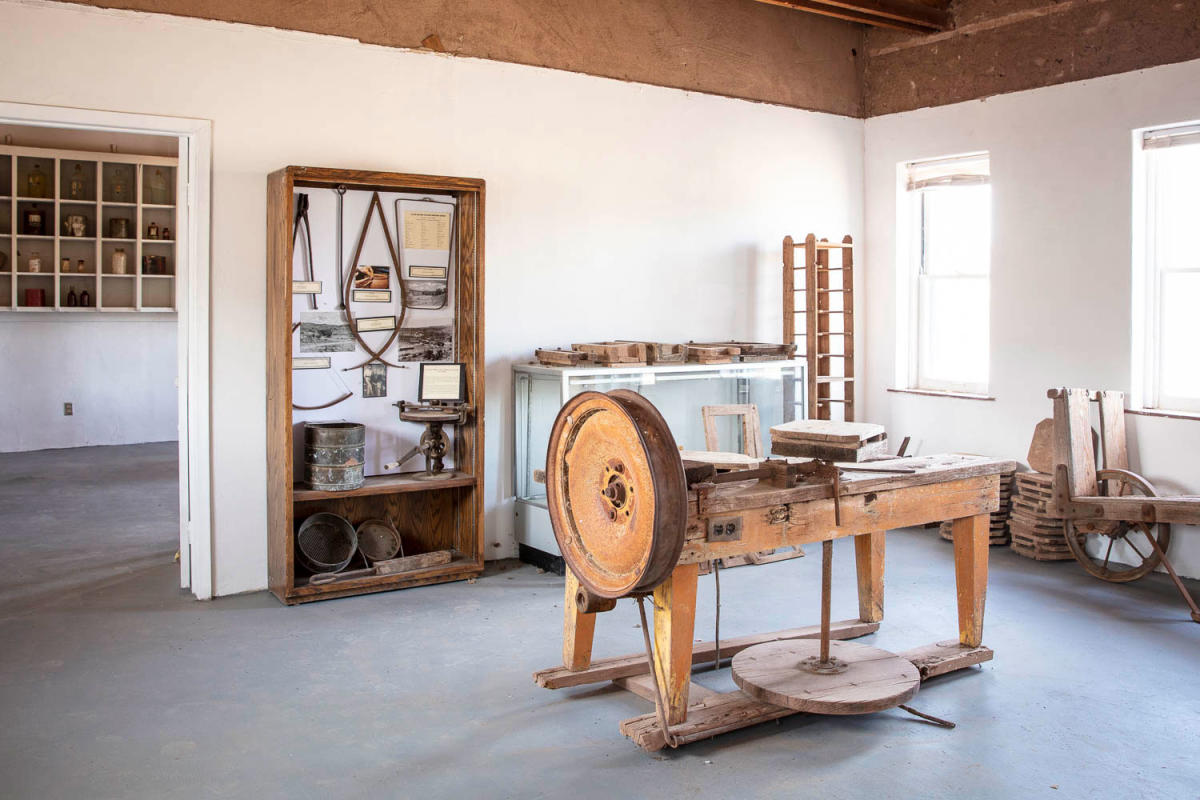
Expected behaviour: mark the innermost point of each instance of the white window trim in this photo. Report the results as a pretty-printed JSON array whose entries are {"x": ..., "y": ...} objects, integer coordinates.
[
  {"x": 909, "y": 284},
  {"x": 1146, "y": 285}
]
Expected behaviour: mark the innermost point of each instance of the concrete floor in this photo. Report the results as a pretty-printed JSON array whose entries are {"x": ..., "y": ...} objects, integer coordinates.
[{"x": 115, "y": 684}]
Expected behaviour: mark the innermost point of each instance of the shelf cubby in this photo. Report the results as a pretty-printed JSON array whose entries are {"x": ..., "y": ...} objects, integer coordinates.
[{"x": 77, "y": 180}]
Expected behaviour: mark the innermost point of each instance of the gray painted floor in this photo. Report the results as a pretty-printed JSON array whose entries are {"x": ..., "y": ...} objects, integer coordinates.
[{"x": 115, "y": 684}]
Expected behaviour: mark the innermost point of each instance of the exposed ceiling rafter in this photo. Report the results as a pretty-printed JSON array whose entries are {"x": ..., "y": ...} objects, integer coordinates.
[{"x": 907, "y": 15}]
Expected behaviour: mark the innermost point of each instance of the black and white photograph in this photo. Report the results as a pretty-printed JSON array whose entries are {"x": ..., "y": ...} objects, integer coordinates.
[
  {"x": 374, "y": 380},
  {"x": 424, "y": 294},
  {"x": 324, "y": 332},
  {"x": 432, "y": 343}
]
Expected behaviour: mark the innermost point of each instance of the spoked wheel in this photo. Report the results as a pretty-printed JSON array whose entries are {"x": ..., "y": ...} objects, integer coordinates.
[
  {"x": 1109, "y": 534},
  {"x": 617, "y": 492}
]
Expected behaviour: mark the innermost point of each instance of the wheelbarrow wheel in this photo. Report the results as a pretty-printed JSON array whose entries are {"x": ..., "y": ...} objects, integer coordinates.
[{"x": 1105, "y": 536}]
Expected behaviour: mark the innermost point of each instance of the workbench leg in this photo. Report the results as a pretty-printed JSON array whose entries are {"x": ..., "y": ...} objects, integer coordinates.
[
  {"x": 674, "y": 625},
  {"x": 971, "y": 574},
  {"x": 868, "y": 558},
  {"x": 578, "y": 629}
]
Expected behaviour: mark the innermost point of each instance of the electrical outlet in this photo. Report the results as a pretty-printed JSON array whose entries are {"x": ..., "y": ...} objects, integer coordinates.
[
  {"x": 726, "y": 529},
  {"x": 68, "y": 409}
]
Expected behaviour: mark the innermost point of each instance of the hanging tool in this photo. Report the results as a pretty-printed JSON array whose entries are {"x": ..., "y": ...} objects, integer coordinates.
[
  {"x": 340, "y": 189},
  {"x": 302, "y": 217},
  {"x": 348, "y": 285}
]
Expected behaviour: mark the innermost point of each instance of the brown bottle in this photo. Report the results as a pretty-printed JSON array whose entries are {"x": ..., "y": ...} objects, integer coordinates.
[
  {"x": 72, "y": 300},
  {"x": 85, "y": 299}
]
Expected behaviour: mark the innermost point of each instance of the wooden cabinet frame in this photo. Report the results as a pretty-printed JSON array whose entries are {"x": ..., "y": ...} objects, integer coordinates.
[{"x": 453, "y": 508}]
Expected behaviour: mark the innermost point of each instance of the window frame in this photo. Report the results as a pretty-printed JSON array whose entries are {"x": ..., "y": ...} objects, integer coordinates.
[
  {"x": 1148, "y": 274},
  {"x": 916, "y": 310}
]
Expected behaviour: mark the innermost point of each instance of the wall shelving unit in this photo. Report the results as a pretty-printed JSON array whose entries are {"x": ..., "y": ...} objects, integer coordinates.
[{"x": 114, "y": 186}]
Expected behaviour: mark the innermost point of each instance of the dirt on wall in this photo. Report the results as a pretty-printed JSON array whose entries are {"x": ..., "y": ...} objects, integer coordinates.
[
  {"x": 736, "y": 48},
  {"x": 1001, "y": 46}
]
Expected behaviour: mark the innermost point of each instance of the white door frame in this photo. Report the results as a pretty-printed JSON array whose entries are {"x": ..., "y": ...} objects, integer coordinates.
[{"x": 193, "y": 206}]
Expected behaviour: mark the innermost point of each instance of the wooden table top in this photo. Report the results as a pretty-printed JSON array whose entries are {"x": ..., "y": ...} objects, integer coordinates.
[{"x": 928, "y": 470}]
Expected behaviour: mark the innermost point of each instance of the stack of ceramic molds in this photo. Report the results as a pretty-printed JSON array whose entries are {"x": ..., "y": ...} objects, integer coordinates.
[
  {"x": 998, "y": 527},
  {"x": 1036, "y": 532}
]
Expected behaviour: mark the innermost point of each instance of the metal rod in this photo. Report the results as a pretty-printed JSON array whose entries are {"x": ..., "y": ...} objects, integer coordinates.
[
  {"x": 826, "y": 584},
  {"x": 340, "y": 189}
]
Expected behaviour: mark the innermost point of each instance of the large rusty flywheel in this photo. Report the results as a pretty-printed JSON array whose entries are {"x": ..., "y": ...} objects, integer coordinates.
[{"x": 617, "y": 492}]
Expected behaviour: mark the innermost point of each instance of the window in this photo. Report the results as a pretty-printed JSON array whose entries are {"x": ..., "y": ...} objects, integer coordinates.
[
  {"x": 946, "y": 264},
  {"x": 1167, "y": 269}
]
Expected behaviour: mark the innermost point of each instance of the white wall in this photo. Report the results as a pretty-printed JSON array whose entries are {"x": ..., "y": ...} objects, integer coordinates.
[
  {"x": 613, "y": 209},
  {"x": 119, "y": 373},
  {"x": 1061, "y": 264}
]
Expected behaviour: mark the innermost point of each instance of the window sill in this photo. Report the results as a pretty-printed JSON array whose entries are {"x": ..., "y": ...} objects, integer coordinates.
[
  {"x": 941, "y": 393},
  {"x": 1156, "y": 412}
]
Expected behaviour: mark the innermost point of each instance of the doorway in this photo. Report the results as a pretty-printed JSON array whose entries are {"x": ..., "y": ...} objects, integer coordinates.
[{"x": 159, "y": 289}]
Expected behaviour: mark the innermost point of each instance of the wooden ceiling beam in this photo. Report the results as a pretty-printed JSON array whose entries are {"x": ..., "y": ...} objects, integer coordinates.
[{"x": 906, "y": 15}]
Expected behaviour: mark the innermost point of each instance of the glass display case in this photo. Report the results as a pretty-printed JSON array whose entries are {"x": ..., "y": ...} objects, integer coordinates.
[{"x": 677, "y": 390}]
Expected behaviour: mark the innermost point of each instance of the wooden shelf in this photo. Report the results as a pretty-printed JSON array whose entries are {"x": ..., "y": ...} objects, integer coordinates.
[
  {"x": 384, "y": 484},
  {"x": 99, "y": 171}
]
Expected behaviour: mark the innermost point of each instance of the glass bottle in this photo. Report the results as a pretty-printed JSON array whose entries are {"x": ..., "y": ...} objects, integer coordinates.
[
  {"x": 64, "y": 265},
  {"x": 118, "y": 262},
  {"x": 34, "y": 221},
  {"x": 152, "y": 231},
  {"x": 35, "y": 182},
  {"x": 79, "y": 267},
  {"x": 78, "y": 187},
  {"x": 34, "y": 264},
  {"x": 72, "y": 300},
  {"x": 85, "y": 299},
  {"x": 119, "y": 188},
  {"x": 158, "y": 188},
  {"x": 166, "y": 233}
]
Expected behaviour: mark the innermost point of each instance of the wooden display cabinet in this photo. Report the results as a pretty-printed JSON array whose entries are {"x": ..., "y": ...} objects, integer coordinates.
[{"x": 445, "y": 514}]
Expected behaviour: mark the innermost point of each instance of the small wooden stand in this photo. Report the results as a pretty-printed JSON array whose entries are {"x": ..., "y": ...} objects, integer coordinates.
[{"x": 961, "y": 488}]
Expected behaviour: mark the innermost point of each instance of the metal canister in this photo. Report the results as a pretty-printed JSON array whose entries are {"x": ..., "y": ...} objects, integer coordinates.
[{"x": 334, "y": 453}]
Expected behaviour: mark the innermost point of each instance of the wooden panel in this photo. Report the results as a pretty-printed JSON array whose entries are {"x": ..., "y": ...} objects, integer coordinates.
[
  {"x": 613, "y": 667},
  {"x": 279, "y": 383},
  {"x": 810, "y": 325},
  {"x": 932, "y": 660},
  {"x": 1112, "y": 436},
  {"x": 643, "y": 687},
  {"x": 1073, "y": 439},
  {"x": 384, "y": 484}
]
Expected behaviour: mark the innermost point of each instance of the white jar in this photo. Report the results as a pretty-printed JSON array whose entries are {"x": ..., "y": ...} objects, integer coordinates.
[{"x": 118, "y": 262}]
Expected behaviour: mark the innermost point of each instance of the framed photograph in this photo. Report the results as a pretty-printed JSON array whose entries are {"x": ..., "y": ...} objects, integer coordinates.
[
  {"x": 371, "y": 295},
  {"x": 428, "y": 343},
  {"x": 325, "y": 332},
  {"x": 425, "y": 294},
  {"x": 374, "y": 380},
  {"x": 375, "y": 324},
  {"x": 371, "y": 277},
  {"x": 444, "y": 382}
]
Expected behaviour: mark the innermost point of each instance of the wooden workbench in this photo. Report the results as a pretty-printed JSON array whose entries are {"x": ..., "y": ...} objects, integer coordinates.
[{"x": 964, "y": 489}]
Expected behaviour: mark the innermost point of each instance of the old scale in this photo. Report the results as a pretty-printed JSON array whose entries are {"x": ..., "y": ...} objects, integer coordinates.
[{"x": 632, "y": 519}]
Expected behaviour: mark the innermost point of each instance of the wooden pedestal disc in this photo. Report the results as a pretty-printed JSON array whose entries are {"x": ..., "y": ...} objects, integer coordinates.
[
  {"x": 617, "y": 492},
  {"x": 872, "y": 679}
]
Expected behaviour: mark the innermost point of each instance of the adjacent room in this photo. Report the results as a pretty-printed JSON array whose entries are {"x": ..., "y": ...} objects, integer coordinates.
[{"x": 527, "y": 398}]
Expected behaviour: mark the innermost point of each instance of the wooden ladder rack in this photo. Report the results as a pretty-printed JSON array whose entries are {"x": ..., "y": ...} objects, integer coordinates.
[{"x": 826, "y": 333}]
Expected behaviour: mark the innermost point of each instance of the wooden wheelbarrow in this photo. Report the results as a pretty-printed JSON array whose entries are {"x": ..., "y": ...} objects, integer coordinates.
[{"x": 1113, "y": 505}]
